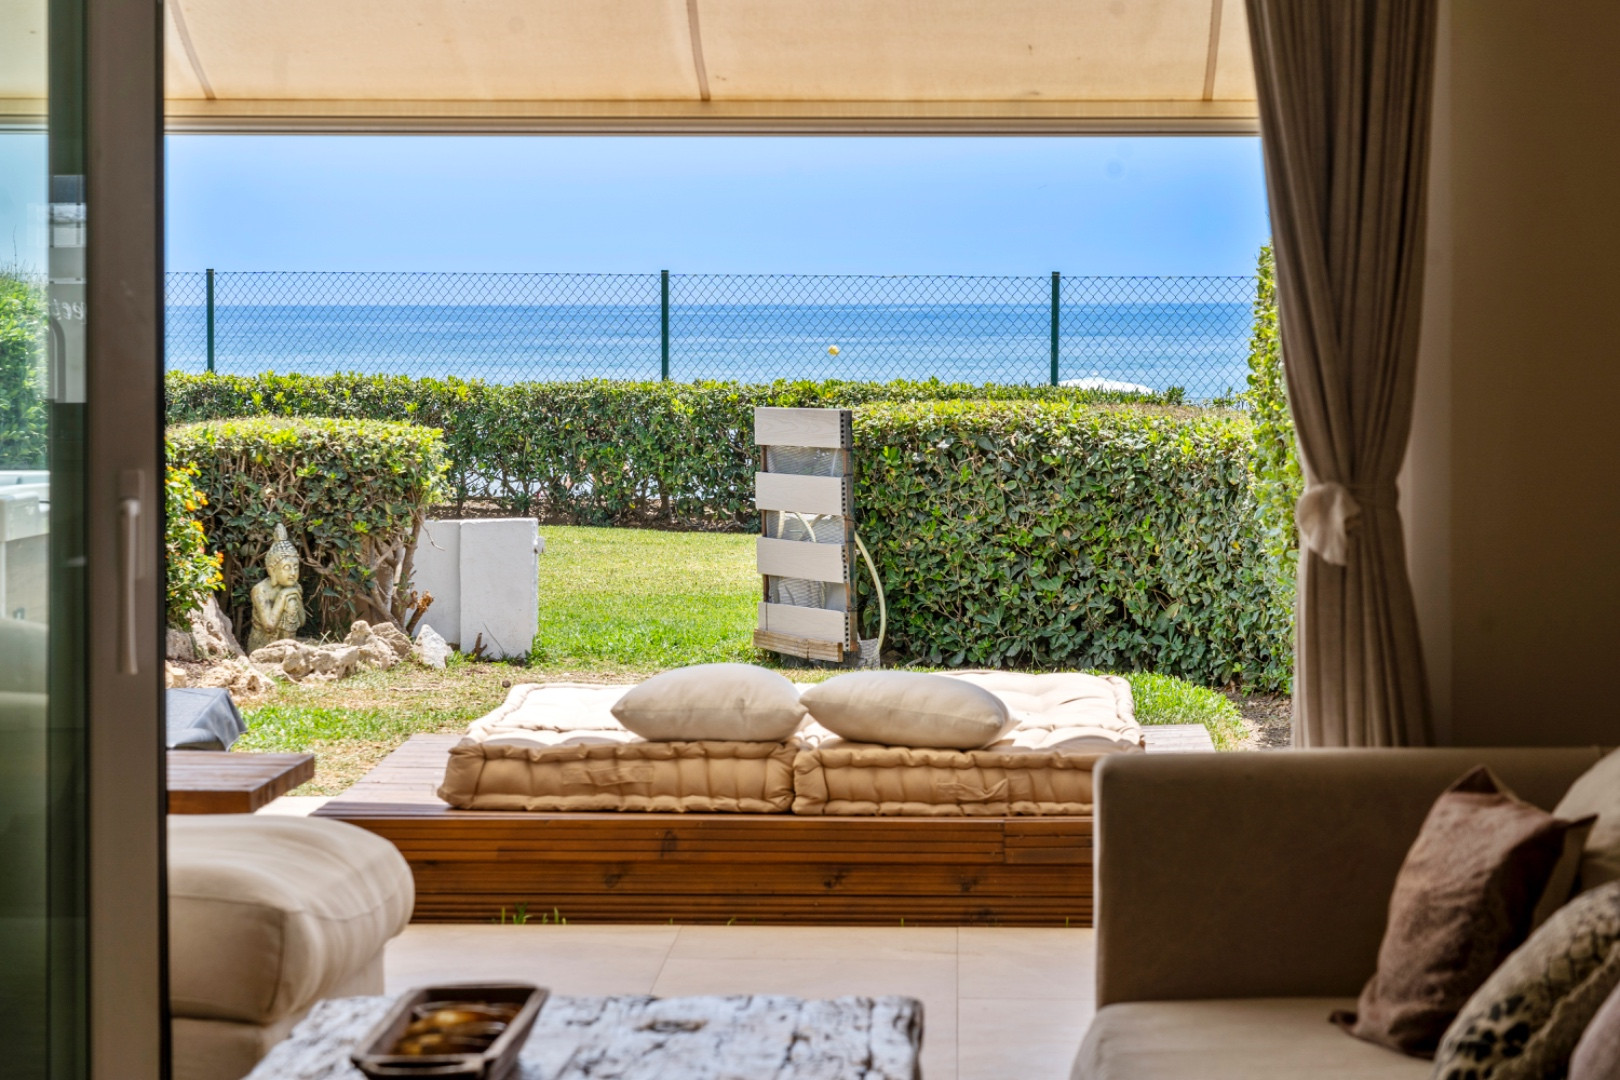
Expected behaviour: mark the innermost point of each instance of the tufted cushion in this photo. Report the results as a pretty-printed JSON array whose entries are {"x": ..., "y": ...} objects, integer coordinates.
[
  {"x": 908, "y": 708},
  {"x": 1525, "y": 1021},
  {"x": 723, "y": 702},
  {"x": 1064, "y": 709},
  {"x": 268, "y": 914},
  {"x": 558, "y": 747}
]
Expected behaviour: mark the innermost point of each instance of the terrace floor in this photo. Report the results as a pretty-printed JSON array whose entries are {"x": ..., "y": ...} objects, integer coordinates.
[{"x": 999, "y": 1003}]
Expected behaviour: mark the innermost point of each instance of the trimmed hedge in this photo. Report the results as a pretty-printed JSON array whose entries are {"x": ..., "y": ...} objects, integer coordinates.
[
  {"x": 1278, "y": 481},
  {"x": 352, "y": 494},
  {"x": 594, "y": 452},
  {"x": 1046, "y": 535},
  {"x": 1043, "y": 529}
]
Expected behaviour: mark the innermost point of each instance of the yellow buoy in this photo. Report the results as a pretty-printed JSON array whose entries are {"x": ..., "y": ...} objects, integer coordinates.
[{"x": 832, "y": 350}]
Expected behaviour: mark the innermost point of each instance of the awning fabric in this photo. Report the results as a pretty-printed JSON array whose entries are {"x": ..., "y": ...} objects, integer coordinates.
[{"x": 701, "y": 65}]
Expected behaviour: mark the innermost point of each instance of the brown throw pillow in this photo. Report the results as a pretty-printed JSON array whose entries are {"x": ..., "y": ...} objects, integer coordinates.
[{"x": 1462, "y": 902}]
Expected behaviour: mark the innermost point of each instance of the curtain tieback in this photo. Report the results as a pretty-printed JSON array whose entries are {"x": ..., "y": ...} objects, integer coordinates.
[{"x": 1328, "y": 511}]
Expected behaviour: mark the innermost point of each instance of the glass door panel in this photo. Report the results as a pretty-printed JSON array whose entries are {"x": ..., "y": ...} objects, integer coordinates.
[{"x": 65, "y": 957}]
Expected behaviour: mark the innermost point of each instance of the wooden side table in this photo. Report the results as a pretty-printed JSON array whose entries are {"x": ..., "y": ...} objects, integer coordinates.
[
  {"x": 216, "y": 782},
  {"x": 647, "y": 1038}
]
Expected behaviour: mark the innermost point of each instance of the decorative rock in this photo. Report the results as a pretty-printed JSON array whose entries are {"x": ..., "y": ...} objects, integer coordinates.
[
  {"x": 378, "y": 649},
  {"x": 239, "y": 677},
  {"x": 177, "y": 646},
  {"x": 431, "y": 649},
  {"x": 174, "y": 675},
  {"x": 212, "y": 634},
  {"x": 367, "y": 648}
]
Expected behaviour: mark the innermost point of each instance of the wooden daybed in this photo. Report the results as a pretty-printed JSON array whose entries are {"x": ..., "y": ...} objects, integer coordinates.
[{"x": 722, "y": 868}]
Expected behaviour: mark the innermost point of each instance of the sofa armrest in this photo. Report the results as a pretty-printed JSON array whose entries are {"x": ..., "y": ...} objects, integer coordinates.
[{"x": 1269, "y": 874}]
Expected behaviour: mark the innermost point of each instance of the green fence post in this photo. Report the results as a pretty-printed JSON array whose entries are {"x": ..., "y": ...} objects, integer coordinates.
[
  {"x": 1057, "y": 286},
  {"x": 663, "y": 283},
  {"x": 210, "y": 303}
]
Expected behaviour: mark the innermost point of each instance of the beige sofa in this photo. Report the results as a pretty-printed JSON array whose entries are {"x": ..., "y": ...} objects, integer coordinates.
[
  {"x": 1241, "y": 898},
  {"x": 267, "y": 916}
]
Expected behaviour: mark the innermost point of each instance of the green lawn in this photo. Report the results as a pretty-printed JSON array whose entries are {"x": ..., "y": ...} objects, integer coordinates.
[
  {"x": 616, "y": 605},
  {"x": 637, "y": 601}
]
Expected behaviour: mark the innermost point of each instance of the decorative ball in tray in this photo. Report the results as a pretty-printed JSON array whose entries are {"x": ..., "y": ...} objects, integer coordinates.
[{"x": 470, "y": 1031}]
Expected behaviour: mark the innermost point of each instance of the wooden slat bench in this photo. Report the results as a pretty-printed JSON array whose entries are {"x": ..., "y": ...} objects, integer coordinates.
[{"x": 720, "y": 868}]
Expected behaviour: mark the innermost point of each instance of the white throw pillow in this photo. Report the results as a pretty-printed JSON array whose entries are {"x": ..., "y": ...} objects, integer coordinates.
[
  {"x": 1597, "y": 791},
  {"x": 712, "y": 702},
  {"x": 907, "y": 708}
]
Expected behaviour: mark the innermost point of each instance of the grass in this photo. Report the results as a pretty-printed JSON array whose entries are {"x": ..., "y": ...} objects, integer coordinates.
[
  {"x": 616, "y": 605},
  {"x": 1162, "y": 699},
  {"x": 636, "y": 601}
]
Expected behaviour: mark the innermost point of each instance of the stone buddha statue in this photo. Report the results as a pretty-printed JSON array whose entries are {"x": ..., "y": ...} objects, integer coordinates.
[{"x": 278, "y": 602}]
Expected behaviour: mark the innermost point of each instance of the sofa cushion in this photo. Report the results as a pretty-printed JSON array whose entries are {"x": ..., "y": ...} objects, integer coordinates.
[
  {"x": 1251, "y": 1039},
  {"x": 908, "y": 708},
  {"x": 1597, "y": 1055},
  {"x": 1597, "y": 791},
  {"x": 1463, "y": 900},
  {"x": 712, "y": 703},
  {"x": 1524, "y": 1022},
  {"x": 268, "y": 914}
]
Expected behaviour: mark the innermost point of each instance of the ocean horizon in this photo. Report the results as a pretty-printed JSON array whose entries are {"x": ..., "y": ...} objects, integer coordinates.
[{"x": 1201, "y": 347}]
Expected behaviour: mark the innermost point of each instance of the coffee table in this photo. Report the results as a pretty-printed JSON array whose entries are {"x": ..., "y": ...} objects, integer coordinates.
[
  {"x": 217, "y": 782},
  {"x": 754, "y": 1037}
]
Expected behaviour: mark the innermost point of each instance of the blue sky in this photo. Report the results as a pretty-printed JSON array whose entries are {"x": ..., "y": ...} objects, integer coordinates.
[{"x": 716, "y": 204}]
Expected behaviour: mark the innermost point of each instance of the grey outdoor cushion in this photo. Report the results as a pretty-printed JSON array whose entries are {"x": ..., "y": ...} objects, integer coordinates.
[{"x": 201, "y": 718}]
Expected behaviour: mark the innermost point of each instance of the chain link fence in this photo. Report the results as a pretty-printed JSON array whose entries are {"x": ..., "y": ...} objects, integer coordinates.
[{"x": 1111, "y": 332}]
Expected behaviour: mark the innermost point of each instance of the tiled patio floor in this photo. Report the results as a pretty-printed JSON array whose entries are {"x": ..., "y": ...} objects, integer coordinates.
[{"x": 999, "y": 1004}]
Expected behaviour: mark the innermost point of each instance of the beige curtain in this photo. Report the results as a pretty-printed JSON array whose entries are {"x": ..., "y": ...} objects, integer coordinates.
[{"x": 1344, "y": 88}]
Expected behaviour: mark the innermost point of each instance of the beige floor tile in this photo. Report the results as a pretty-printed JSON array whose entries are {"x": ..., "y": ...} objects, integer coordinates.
[
  {"x": 931, "y": 979},
  {"x": 1016, "y": 962},
  {"x": 1009, "y": 1039},
  {"x": 814, "y": 942},
  {"x": 567, "y": 959}
]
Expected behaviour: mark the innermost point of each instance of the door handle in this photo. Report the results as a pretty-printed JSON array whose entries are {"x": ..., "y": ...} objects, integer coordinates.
[{"x": 129, "y": 570}]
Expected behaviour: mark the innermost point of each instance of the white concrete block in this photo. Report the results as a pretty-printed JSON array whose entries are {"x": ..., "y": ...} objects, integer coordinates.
[
  {"x": 484, "y": 574},
  {"x": 500, "y": 585},
  {"x": 437, "y": 569}
]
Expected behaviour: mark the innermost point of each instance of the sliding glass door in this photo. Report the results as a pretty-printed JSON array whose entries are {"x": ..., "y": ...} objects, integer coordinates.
[{"x": 80, "y": 756}]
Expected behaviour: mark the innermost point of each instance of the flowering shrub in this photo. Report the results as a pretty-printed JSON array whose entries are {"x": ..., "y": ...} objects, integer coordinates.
[{"x": 194, "y": 571}]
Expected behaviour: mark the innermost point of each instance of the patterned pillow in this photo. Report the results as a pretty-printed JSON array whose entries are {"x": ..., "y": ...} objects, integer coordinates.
[{"x": 1523, "y": 1024}]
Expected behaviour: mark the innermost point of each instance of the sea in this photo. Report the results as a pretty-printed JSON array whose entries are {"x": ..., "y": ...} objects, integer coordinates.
[{"x": 1201, "y": 346}]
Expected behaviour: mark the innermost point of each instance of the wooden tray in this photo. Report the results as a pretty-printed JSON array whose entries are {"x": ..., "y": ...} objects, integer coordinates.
[{"x": 374, "y": 1058}]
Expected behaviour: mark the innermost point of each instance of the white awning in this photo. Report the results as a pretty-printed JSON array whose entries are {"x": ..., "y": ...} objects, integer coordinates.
[
  {"x": 995, "y": 66},
  {"x": 709, "y": 65}
]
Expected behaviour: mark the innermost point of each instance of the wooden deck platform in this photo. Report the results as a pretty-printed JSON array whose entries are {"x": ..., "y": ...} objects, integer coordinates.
[{"x": 722, "y": 868}]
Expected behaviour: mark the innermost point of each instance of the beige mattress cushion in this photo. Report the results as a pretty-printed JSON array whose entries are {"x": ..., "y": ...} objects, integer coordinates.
[
  {"x": 1066, "y": 723},
  {"x": 557, "y": 747},
  {"x": 268, "y": 914}
]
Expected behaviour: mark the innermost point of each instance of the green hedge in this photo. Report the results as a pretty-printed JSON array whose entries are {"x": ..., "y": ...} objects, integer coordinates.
[
  {"x": 579, "y": 453},
  {"x": 1036, "y": 528},
  {"x": 351, "y": 493},
  {"x": 23, "y": 416},
  {"x": 1278, "y": 481},
  {"x": 1059, "y": 535}
]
